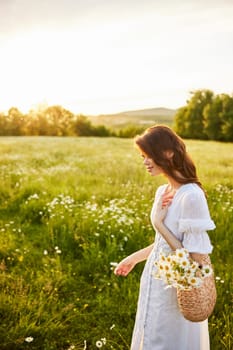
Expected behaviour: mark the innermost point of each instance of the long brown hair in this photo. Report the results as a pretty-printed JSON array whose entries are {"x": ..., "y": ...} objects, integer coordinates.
[{"x": 156, "y": 141}]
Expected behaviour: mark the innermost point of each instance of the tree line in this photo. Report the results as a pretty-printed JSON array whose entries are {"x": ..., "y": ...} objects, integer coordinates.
[
  {"x": 206, "y": 116},
  {"x": 56, "y": 121}
]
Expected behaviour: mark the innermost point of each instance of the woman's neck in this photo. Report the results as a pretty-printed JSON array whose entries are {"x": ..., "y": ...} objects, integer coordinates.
[{"x": 173, "y": 184}]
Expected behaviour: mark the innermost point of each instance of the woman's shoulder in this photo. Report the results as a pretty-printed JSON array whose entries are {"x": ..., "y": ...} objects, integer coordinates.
[{"x": 191, "y": 191}]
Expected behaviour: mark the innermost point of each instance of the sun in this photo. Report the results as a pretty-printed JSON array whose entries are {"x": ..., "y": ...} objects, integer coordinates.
[
  {"x": 80, "y": 70},
  {"x": 45, "y": 66}
]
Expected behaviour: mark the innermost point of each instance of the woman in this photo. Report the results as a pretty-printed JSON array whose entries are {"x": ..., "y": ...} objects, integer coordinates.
[{"x": 180, "y": 217}]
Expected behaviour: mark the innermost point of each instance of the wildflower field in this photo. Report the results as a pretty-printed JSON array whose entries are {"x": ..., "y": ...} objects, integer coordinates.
[{"x": 70, "y": 208}]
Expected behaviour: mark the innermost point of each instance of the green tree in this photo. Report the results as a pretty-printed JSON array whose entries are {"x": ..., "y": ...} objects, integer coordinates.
[
  {"x": 181, "y": 121},
  {"x": 82, "y": 126},
  {"x": 130, "y": 131},
  {"x": 59, "y": 121},
  {"x": 38, "y": 124},
  {"x": 212, "y": 120},
  {"x": 15, "y": 122},
  {"x": 196, "y": 105},
  {"x": 101, "y": 130},
  {"x": 227, "y": 118},
  {"x": 3, "y": 121},
  {"x": 192, "y": 115},
  {"x": 218, "y": 118}
]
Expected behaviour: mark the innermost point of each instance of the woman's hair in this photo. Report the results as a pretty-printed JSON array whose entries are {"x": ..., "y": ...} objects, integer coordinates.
[{"x": 168, "y": 151}]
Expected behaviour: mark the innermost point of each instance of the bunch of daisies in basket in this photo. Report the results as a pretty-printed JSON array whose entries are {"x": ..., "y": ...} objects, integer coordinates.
[{"x": 178, "y": 270}]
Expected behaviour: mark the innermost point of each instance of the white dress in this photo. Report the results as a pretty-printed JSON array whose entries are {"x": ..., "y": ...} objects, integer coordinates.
[{"x": 159, "y": 325}]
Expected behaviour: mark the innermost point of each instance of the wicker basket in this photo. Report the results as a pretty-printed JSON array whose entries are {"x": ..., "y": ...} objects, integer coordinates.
[{"x": 197, "y": 304}]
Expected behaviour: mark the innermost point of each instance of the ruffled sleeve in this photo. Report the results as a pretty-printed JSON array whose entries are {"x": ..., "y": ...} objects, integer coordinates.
[{"x": 194, "y": 222}]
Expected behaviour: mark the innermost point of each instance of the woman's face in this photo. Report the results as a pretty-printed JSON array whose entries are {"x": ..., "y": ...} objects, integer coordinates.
[{"x": 151, "y": 166}]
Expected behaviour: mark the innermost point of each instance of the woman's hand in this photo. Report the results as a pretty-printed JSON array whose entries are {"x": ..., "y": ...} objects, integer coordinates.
[
  {"x": 167, "y": 198},
  {"x": 162, "y": 208},
  {"x": 125, "y": 266}
]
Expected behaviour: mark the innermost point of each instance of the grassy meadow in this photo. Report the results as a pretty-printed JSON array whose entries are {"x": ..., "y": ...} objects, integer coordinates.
[{"x": 72, "y": 207}]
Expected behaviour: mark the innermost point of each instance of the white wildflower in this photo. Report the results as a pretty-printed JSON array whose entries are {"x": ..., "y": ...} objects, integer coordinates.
[
  {"x": 194, "y": 266},
  {"x": 29, "y": 339},
  {"x": 166, "y": 268},
  {"x": 194, "y": 281},
  {"x": 184, "y": 263},
  {"x": 33, "y": 196},
  {"x": 178, "y": 270},
  {"x": 104, "y": 340},
  {"x": 113, "y": 264},
  {"x": 181, "y": 253},
  {"x": 99, "y": 344},
  {"x": 206, "y": 271},
  {"x": 162, "y": 256}
]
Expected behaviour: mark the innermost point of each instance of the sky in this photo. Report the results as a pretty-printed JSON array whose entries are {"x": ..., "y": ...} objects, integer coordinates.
[{"x": 108, "y": 56}]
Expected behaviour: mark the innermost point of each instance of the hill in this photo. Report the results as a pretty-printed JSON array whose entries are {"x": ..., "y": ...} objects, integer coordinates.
[{"x": 142, "y": 117}]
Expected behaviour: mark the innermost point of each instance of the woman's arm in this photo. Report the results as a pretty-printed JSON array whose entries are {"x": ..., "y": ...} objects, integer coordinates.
[
  {"x": 127, "y": 264},
  {"x": 171, "y": 240},
  {"x": 160, "y": 214}
]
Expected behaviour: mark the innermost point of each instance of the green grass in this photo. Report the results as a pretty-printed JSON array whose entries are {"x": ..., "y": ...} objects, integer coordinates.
[{"x": 71, "y": 206}]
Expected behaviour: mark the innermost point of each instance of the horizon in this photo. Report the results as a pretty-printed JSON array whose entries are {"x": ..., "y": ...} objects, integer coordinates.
[
  {"x": 106, "y": 58},
  {"x": 39, "y": 107}
]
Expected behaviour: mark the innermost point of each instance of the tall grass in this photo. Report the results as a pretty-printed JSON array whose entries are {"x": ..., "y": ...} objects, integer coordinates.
[{"x": 72, "y": 207}]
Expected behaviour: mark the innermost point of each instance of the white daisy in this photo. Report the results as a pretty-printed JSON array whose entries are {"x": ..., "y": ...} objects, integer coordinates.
[
  {"x": 29, "y": 339},
  {"x": 99, "y": 344},
  {"x": 206, "y": 271}
]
